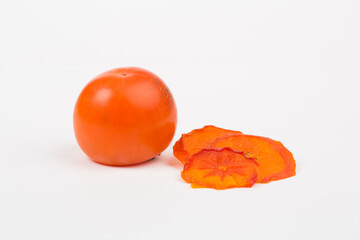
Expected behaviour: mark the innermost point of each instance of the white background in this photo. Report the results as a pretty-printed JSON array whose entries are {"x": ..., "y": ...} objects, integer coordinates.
[{"x": 288, "y": 70}]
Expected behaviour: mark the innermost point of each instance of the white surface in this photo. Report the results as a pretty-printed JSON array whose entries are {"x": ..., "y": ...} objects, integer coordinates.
[{"x": 288, "y": 70}]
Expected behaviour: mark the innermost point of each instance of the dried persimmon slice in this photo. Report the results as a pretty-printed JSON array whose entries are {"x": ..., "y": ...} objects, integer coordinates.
[
  {"x": 198, "y": 139},
  {"x": 275, "y": 161},
  {"x": 220, "y": 169}
]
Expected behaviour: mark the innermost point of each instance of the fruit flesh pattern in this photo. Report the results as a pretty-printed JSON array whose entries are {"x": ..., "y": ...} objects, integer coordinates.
[{"x": 220, "y": 169}]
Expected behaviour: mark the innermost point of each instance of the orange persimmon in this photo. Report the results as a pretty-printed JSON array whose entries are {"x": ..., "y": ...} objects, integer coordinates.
[
  {"x": 197, "y": 139},
  {"x": 220, "y": 169},
  {"x": 275, "y": 161},
  {"x": 124, "y": 116}
]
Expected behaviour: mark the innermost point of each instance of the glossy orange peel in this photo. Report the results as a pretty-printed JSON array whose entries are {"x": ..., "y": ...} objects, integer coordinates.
[
  {"x": 198, "y": 139},
  {"x": 220, "y": 169}
]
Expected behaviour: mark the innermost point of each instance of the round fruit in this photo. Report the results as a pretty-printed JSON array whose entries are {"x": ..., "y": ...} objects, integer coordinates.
[{"x": 125, "y": 116}]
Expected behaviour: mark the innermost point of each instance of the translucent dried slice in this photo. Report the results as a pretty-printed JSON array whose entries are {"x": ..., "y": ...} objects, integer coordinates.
[
  {"x": 220, "y": 169},
  {"x": 198, "y": 139},
  {"x": 275, "y": 161}
]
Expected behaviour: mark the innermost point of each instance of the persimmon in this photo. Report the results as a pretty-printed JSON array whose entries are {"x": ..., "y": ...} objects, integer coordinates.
[
  {"x": 124, "y": 116},
  {"x": 275, "y": 161},
  {"x": 198, "y": 139},
  {"x": 220, "y": 169}
]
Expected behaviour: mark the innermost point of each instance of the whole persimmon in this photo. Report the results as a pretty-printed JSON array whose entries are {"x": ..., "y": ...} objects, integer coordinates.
[{"x": 125, "y": 116}]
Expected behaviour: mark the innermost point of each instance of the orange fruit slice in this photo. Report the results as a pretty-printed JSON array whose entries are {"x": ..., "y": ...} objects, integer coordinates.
[
  {"x": 198, "y": 139},
  {"x": 220, "y": 169},
  {"x": 275, "y": 161}
]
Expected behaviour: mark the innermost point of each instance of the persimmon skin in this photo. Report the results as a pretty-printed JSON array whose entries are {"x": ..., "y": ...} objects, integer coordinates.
[{"x": 125, "y": 116}]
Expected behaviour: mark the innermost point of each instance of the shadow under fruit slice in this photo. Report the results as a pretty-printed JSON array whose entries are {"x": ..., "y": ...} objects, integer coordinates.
[
  {"x": 275, "y": 161},
  {"x": 220, "y": 169},
  {"x": 198, "y": 139}
]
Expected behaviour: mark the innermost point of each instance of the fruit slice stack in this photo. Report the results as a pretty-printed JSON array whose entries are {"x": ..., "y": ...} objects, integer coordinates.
[{"x": 218, "y": 158}]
